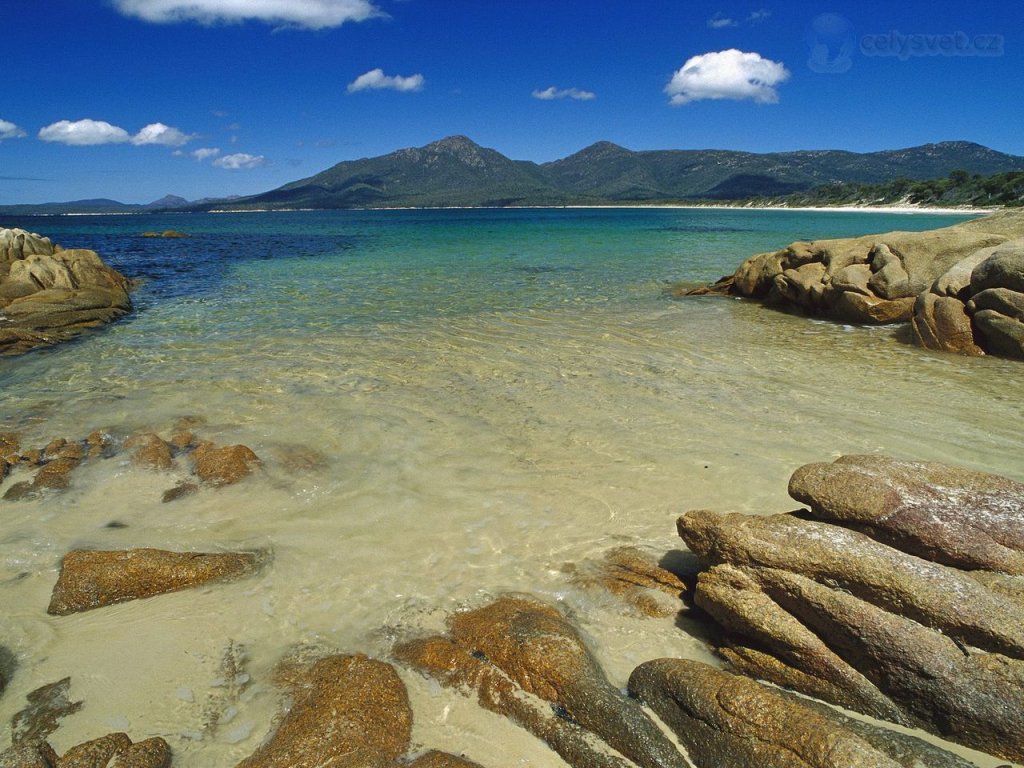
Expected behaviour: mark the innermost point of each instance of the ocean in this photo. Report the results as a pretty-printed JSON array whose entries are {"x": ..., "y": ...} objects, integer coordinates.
[{"x": 449, "y": 405}]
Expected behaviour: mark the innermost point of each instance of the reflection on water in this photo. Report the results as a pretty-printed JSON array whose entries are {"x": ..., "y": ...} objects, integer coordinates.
[{"x": 493, "y": 400}]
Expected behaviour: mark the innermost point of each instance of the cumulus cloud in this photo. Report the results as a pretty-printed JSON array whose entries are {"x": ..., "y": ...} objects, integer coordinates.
[
  {"x": 730, "y": 74},
  {"x": 376, "y": 80},
  {"x": 310, "y": 14},
  {"x": 81, "y": 133},
  {"x": 205, "y": 153},
  {"x": 163, "y": 135},
  {"x": 721, "y": 21},
  {"x": 9, "y": 130},
  {"x": 552, "y": 93},
  {"x": 240, "y": 161}
]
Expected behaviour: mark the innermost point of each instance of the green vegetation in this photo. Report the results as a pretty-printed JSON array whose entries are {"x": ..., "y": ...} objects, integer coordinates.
[{"x": 956, "y": 189}]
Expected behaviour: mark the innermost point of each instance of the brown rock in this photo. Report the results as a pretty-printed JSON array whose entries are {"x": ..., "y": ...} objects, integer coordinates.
[
  {"x": 1003, "y": 335},
  {"x": 934, "y": 595},
  {"x": 346, "y": 712},
  {"x": 727, "y": 720},
  {"x": 29, "y": 756},
  {"x": 91, "y": 579},
  {"x": 149, "y": 451},
  {"x": 632, "y": 576},
  {"x": 435, "y": 759},
  {"x": 100, "y": 444},
  {"x": 451, "y": 666},
  {"x": 768, "y": 642},
  {"x": 889, "y": 280},
  {"x": 224, "y": 466},
  {"x": 542, "y": 652},
  {"x": 946, "y": 514},
  {"x": 1003, "y": 269},
  {"x": 21, "y": 491},
  {"x": 731, "y": 721},
  {"x": 56, "y": 474},
  {"x": 850, "y": 307},
  {"x": 183, "y": 440},
  {"x": 942, "y": 323},
  {"x": 180, "y": 491},
  {"x": 853, "y": 278},
  {"x": 47, "y": 706},
  {"x": 53, "y": 448}
]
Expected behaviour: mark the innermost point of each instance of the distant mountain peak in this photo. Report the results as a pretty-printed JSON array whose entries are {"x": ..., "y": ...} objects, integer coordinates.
[{"x": 167, "y": 201}]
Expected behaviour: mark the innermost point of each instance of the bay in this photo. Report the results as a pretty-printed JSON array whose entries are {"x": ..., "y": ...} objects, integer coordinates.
[{"x": 449, "y": 405}]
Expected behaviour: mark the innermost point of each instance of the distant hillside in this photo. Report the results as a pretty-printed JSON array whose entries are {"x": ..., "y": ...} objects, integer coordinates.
[
  {"x": 95, "y": 206},
  {"x": 458, "y": 172}
]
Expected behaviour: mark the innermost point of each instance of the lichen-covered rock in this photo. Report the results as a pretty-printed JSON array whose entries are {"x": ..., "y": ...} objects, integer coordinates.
[
  {"x": 225, "y": 465},
  {"x": 346, "y": 712},
  {"x": 92, "y": 579},
  {"x": 48, "y": 294},
  {"x": 947, "y": 514},
  {"x": 730, "y": 721},
  {"x": 117, "y": 751}
]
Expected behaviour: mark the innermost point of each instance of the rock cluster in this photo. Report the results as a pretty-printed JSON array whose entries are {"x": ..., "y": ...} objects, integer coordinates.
[
  {"x": 962, "y": 287},
  {"x": 894, "y": 595},
  {"x": 33, "y": 725},
  {"x": 48, "y": 294},
  {"x": 210, "y": 464}
]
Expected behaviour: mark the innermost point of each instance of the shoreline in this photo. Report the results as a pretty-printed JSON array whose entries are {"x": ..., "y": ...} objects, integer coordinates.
[{"x": 889, "y": 209}]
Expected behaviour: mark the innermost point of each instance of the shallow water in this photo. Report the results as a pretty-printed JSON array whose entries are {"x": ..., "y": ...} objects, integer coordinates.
[{"x": 494, "y": 394}]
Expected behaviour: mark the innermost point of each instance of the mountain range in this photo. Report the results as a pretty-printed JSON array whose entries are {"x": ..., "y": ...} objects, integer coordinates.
[{"x": 456, "y": 171}]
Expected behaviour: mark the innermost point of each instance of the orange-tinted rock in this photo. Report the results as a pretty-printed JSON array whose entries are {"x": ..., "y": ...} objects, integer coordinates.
[
  {"x": 346, "y": 712},
  {"x": 435, "y": 759},
  {"x": 149, "y": 451},
  {"x": 224, "y": 466},
  {"x": 92, "y": 579},
  {"x": 630, "y": 575}
]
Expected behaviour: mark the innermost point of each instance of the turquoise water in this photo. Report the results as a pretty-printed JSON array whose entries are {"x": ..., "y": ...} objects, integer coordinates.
[{"x": 478, "y": 398}]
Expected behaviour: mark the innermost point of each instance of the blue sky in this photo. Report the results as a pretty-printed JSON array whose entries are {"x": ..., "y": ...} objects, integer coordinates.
[{"x": 135, "y": 99}]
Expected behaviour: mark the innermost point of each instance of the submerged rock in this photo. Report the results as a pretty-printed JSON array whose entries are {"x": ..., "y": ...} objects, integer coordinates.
[
  {"x": 225, "y": 465},
  {"x": 346, "y": 711},
  {"x": 48, "y": 294},
  {"x": 149, "y": 451},
  {"x": 92, "y": 579},
  {"x": 47, "y": 706},
  {"x": 730, "y": 721},
  {"x": 435, "y": 759},
  {"x": 629, "y": 574}
]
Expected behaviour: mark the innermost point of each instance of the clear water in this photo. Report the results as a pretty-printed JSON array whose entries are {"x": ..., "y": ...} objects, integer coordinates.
[{"x": 494, "y": 394}]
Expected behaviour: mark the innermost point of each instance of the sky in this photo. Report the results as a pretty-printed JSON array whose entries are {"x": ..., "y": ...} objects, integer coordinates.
[{"x": 136, "y": 99}]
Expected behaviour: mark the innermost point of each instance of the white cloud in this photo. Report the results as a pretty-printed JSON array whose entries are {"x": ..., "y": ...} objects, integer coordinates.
[
  {"x": 163, "y": 135},
  {"x": 721, "y": 21},
  {"x": 83, "y": 133},
  {"x": 552, "y": 93},
  {"x": 205, "y": 153},
  {"x": 756, "y": 17},
  {"x": 10, "y": 131},
  {"x": 376, "y": 80},
  {"x": 730, "y": 74},
  {"x": 311, "y": 14},
  {"x": 240, "y": 161}
]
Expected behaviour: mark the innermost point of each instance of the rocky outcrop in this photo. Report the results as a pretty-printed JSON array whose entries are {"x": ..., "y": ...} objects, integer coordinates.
[
  {"x": 897, "y": 633},
  {"x": 92, "y": 579},
  {"x": 48, "y": 294},
  {"x": 346, "y": 711},
  {"x": 960, "y": 287},
  {"x": 519, "y": 645},
  {"x": 730, "y": 721},
  {"x": 223, "y": 466}
]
